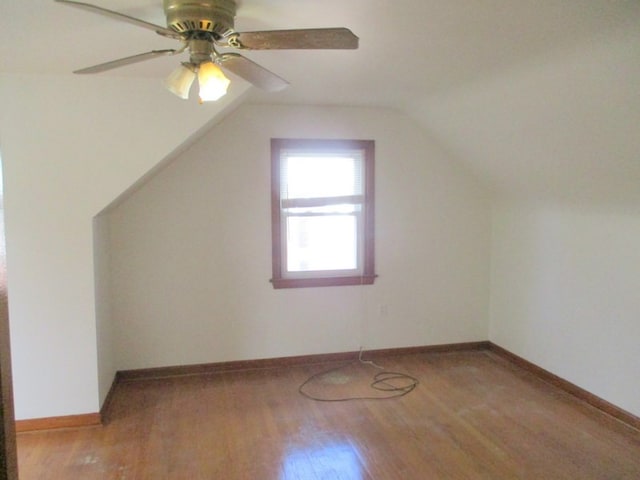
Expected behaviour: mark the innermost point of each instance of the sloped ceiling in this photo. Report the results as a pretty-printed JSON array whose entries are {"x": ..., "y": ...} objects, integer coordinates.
[{"x": 537, "y": 98}]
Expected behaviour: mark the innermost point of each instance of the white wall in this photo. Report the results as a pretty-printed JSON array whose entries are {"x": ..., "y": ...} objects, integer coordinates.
[
  {"x": 71, "y": 145},
  {"x": 565, "y": 294},
  {"x": 190, "y": 250}
]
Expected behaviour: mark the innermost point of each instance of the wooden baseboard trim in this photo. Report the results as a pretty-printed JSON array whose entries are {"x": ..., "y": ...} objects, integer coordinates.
[
  {"x": 54, "y": 423},
  {"x": 443, "y": 348},
  {"x": 106, "y": 405},
  {"x": 280, "y": 362},
  {"x": 96, "y": 419},
  {"x": 582, "y": 394}
]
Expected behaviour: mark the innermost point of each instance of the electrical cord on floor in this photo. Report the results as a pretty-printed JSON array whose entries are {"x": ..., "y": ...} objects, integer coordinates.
[
  {"x": 368, "y": 362},
  {"x": 381, "y": 382}
]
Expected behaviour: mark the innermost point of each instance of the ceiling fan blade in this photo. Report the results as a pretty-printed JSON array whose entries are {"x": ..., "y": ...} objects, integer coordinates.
[
  {"x": 253, "y": 73},
  {"x": 314, "y": 38},
  {"x": 122, "y": 17},
  {"x": 141, "y": 57}
]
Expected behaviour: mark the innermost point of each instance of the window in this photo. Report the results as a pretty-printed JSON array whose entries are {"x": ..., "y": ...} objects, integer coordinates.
[{"x": 322, "y": 212}]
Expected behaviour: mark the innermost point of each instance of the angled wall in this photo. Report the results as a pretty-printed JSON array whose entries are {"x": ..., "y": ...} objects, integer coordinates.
[
  {"x": 70, "y": 146},
  {"x": 557, "y": 136},
  {"x": 190, "y": 250}
]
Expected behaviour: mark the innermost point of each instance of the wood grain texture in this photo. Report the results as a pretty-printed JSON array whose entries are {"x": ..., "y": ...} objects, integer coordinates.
[{"x": 472, "y": 416}]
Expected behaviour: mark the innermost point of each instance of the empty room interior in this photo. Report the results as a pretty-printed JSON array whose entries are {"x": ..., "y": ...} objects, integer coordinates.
[{"x": 448, "y": 191}]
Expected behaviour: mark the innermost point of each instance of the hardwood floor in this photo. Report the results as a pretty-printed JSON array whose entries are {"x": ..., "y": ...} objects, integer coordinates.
[{"x": 472, "y": 416}]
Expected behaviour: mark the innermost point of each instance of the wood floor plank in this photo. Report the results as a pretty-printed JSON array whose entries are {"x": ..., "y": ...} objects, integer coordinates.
[{"x": 472, "y": 416}]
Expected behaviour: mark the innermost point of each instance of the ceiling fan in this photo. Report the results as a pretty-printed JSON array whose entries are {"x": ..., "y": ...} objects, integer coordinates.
[{"x": 203, "y": 25}]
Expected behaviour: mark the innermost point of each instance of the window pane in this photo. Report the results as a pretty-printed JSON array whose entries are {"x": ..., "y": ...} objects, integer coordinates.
[
  {"x": 322, "y": 243},
  {"x": 326, "y": 176}
]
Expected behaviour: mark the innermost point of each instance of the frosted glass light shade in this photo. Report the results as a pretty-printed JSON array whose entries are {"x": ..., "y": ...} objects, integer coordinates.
[
  {"x": 213, "y": 83},
  {"x": 180, "y": 80}
]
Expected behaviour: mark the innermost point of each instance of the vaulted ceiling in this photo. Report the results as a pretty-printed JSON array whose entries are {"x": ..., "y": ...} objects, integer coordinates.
[{"x": 539, "y": 99}]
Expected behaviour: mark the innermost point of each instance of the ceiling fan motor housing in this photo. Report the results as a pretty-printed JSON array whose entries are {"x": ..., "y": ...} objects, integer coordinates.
[{"x": 191, "y": 16}]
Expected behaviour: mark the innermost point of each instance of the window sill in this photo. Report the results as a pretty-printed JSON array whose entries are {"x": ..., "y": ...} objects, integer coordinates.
[{"x": 322, "y": 281}]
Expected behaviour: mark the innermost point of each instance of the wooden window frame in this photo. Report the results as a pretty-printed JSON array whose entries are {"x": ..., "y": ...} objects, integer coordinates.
[{"x": 367, "y": 275}]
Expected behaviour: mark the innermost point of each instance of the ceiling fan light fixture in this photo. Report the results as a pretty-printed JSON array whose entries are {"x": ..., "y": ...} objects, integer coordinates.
[
  {"x": 203, "y": 24},
  {"x": 180, "y": 80},
  {"x": 212, "y": 81}
]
